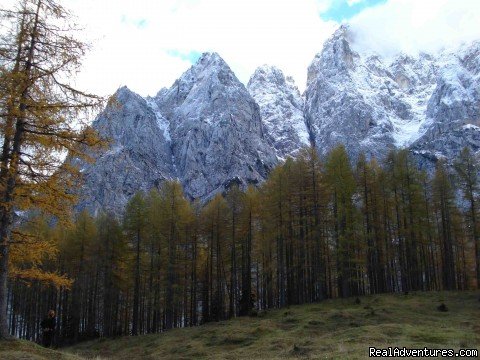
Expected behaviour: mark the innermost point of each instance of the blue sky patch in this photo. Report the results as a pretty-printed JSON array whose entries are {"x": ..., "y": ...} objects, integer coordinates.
[
  {"x": 191, "y": 56},
  {"x": 341, "y": 9},
  {"x": 139, "y": 23}
]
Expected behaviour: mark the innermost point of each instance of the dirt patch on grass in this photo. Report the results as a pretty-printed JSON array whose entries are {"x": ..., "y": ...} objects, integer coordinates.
[
  {"x": 233, "y": 339},
  {"x": 341, "y": 315},
  {"x": 314, "y": 323},
  {"x": 300, "y": 351}
]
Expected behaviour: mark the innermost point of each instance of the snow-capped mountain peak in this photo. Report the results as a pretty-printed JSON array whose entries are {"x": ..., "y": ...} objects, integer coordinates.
[
  {"x": 209, "y": 132},
  {"x": 281, "y": 109},
  {"x": 369, "y": 103}
]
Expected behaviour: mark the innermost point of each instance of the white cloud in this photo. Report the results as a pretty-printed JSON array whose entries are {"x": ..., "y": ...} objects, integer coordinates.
[
  {"x": 245, "y": 33},
  {"x": 353, "y": 2},
  {"x": 412, "y": 26},
  {"x": 135, "y": 41}
]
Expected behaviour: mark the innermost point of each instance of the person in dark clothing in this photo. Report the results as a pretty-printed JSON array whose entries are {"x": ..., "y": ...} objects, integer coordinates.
[{"x": 48, "y": 328}]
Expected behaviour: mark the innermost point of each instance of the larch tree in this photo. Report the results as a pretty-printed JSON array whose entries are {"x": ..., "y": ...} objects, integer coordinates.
[
  {"x": 365, "y": 179},
  {"x": 406, "y": 186},
  {"x": 234, "y": 201},
  {"x": 275, "y": 198},
  {"x": 215, "y": 215},
  {"x": 314, "y": 198},
  {"x": 249, "y": 216},
  {"x": 443, "y": 198},
  {"x": 80, "y": 250},
  {"x": 341, "y": 187},
  {"x": 175, "y": 215},
  {"x": 112, "y": 258},
  {"x": 467, "y": 169},
  {"x": 311, "y": 231},
  {"x": 136, "y": 226},
  {"x": 155, "y": 245},
  {"x": 29, "y": 258},
  {"x": 40, "y": 117}
]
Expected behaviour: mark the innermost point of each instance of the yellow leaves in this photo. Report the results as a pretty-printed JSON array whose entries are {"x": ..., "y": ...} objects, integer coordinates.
[
  {"x": 41, "y": 108},
  {"x": 36, "y": 274},
  {"x": 33, "y": 250},
  {"x": 40, "y": 122},
  {"x": 48, "y": 196}
]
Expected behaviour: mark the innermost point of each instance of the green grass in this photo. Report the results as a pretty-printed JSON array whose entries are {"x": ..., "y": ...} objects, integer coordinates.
[{"x": 332, "y": 329}]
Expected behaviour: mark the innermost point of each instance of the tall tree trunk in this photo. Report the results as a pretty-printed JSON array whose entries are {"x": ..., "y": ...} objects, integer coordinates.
[
  {"x": 170, "y": 269},
  {"x": 9, "y": 180},
  {"x": 136, "y": 291}
]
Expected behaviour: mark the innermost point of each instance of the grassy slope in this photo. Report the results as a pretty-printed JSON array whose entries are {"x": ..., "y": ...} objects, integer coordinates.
[
  {"x": 330, "y": 329},
  {"x": 20, "y": 349},
  {"x": 333, "y": 329}
]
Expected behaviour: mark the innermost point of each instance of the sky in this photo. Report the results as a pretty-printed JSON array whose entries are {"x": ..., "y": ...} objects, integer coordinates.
[{"x": 147, "y": 44}]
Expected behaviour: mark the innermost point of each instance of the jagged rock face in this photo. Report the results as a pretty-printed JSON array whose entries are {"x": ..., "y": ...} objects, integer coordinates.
[
  {"x": 205, "y": 131},
  {"x": 372, "y": 105},
  {"x": 218, "y": 137},
  {"x": 138, "y": 156},
  {"x": 362, "y": 102},
  {"x": 457, "y": 92},
  {"x": 281, "y": 109},
  {"x": 335, "y": 109},
  {"x": 208, "y": 131},
  {"x": 453, "y": 111},
  {"x": 446, "y": 146}
]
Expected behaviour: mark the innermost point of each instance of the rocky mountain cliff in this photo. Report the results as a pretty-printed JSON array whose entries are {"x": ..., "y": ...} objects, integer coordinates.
[
  {"x": 217, "y": 133},
  {"x": 139, "y": 155},
  {"x": 363, "y": 102},
  {"x": 281, "y": 109},
  {"x": 209, "y": 131},
  {"x": 205, "y": 131},
  {"x": 452, "y": 117},
  {"x": 429, "y": 103}
]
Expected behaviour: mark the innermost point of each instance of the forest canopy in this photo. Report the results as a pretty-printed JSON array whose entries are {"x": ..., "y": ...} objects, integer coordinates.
[{"x": 313, "y": 230}]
